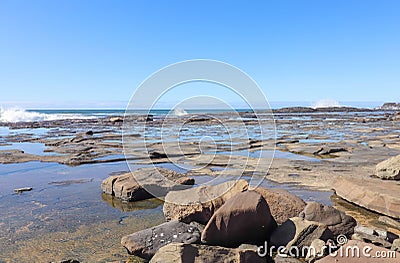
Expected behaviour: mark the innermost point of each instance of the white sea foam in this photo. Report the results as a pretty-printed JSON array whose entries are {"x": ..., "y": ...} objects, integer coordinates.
[
  {"x": 179, "y": 112},
  {"x": 20, "y": 115},
  {"x": 326, "y": 103}
]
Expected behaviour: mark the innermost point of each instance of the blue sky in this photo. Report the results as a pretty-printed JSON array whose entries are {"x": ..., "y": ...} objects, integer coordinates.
[{"x": 95, "y": 53}]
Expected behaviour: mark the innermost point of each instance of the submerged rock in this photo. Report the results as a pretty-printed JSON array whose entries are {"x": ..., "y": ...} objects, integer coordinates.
[
  {"x": 245, "y": 218},
  {"x": 337, "y": 221},
  {"x": 389, "y": 169},
  {"x": 182, "y": 253},
  {"x": 282, "y": 204},
  {"x": 145, "y": 243},
  {"x": 23, "y": 189},
  {"x": 154, "y": 182},
  {"x": 199, "y": 204}
]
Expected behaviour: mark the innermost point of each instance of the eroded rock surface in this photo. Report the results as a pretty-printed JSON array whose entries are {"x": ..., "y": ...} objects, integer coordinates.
[
  {"x": 282, "y": 204},
  {"x": 145, "y": 183},
  {"x": 199, "y": 204},
  {"x": 379, "y": 196},
  {"x": 337, "y": 221},
  {"x": 244, "y": 218},
  {"x": 145, "y": 243},
  {"x": 298, "y": 232},
  {"x": 389, "y": 169}
]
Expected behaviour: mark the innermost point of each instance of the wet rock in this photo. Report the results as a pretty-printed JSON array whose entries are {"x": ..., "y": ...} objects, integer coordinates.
[
  {"x": 131, "y": 206},
  {"x": 374, "y": 194},
  {"x": 282, "y": 204},
  {"x": 338, "y": 222},
  {"x": 24, "y": 189},
  {"x": 182, "y": 253},
  {"x": 145, "y": 243},
  {"x": 244, "y": 218},
  {"x": 389, "y": 169},
  {"x": 350, "y": 254},
  {"x": 199, "y": 204},
  {"x": 297, "y": 232},
  {"x": 158, "y": 180},
  {"x": 326, "y": 150}
]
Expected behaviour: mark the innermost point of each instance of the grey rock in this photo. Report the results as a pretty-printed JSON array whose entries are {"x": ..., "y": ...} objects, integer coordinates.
[
  {"x": 377, "y": 237},
  {"x": 337, "y": 221},
  {"x": 298, "y": 232},
  {"x": 145, "y": 243},
  {"x": 283, "y": 259},
  {"x": 318, "y": 249},
  {"x": 396, "y": 245}
]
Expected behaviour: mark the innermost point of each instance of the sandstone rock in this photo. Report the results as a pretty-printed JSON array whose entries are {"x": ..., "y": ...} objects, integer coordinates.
[
  {"x": 182, "y": 253},
  {"x": 282, "y": 204},
  {"x": 389, "y": 221},
  {"x": 377, "y": 237},
  {"x": 396, "y": 245},
  {"x": 374, "y": 194},
  {"x": 389, "y": 169},
  {"x": 199, "y": 204},
  {"x": 354, "y": 252},
  {"x": 317, "y": 249},
  {"x": 337, "y": 221},
  {"x": 154, "y": 182},
  {"x": 145, "y": 243},
  {"x": 116, "y": 119},
  {"x": 244, "y": 218},
  {"x": 282, "y": 259},
  {"x": 297, "y": 232}
]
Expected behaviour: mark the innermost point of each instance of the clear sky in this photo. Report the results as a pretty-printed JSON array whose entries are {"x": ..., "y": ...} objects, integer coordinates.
[{"x": 95, "y": 53}]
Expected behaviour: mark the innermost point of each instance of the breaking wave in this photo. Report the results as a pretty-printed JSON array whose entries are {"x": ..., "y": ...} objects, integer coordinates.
[
  {"x": 21, "y": 115},
  {"x": 179, "y": 112},
  {"x": 326, "y": 104}
]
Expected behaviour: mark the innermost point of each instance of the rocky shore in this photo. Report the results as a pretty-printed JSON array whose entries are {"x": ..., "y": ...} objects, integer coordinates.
[{"x": 353, "y": 152}]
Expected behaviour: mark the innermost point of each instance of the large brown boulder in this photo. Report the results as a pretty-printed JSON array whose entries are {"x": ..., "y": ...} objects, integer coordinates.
[
  {"x": 245, "y": 218},
  {"x": 337, "y": 221},
  {"x": 389, "y": 169},
  {"x": 374, "y": 194},
  {"x": 193, "y": 253},
  {"x": 199, "y": 204},
  {"x": 282, "y": 204},
  {"x": 145, "y": 183},
  {"x": 145, "y": 243},
  {"x": 297, "y": 233}
]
